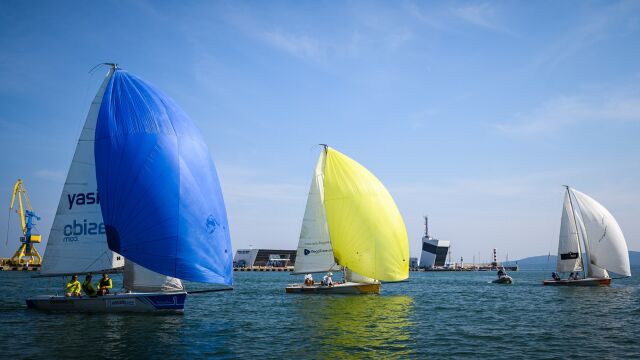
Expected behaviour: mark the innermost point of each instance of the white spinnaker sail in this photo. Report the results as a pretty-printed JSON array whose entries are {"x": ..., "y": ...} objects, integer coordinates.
[
  {"x": 593, "y": 271},
  {"x": 569, "y": 257},
  {"x": 315, "y": 253},
  {"x": 137, "y": 278},
  {"x": 77, "y": 242},
  {"x": 606, "y": 246}
]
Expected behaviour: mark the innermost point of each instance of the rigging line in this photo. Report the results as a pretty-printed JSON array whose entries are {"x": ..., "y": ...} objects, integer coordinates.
[{"x": 586, "y": 240}]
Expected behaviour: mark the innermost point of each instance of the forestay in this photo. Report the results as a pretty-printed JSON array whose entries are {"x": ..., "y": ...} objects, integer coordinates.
[
  {"x": 314, "y": 252},
  {"x": 160, "y": 196},
  {"x": 606, "y": 245},
  {"x": 569, "y": 256},
  {"x": 77, "y": 242}
]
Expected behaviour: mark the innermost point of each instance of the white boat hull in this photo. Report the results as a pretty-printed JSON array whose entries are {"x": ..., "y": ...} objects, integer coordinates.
[
  {"x": 579, "y": 282},
  {"x": 111, "y": 303},
  {"x": 342, "y": 288}
]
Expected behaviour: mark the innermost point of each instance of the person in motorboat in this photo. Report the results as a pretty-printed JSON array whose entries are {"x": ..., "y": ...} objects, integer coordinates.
[
  {"x": 308, "y": 280},
  {"x": 501, "y": 274},
  {"x": 327, "y": 280},
  {"x": 555, "y": 276},
  {"x": 73, "y": 287},
  {"x": 88, "y": 288},
  {"x": 104, "y": 284}
]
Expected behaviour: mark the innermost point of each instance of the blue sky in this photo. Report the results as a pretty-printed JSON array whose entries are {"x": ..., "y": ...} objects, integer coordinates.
[{"x": 474, "y": 113}]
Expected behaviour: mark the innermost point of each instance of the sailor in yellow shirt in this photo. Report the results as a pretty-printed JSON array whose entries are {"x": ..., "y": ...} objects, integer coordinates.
[
  {"x": 104, "y": 284},
  {"x": 73, "y": 287},
  {"x": 87, "y": 287}
]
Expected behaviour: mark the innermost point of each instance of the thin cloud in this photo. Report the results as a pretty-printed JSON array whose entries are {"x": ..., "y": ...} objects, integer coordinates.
[
  {"x": 595, "y": 28},
  {"x": 565, "y": 111},
  {"x": 481, "y": 15},
  {"x": 53, "y": 175},
  {"x": 303, "y": 47}
]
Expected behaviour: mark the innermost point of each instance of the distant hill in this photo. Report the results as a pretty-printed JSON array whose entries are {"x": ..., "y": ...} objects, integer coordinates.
[{"x": 549, "y": 262}]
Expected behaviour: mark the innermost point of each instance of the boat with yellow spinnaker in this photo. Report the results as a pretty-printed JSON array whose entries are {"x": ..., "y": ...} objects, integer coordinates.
[{"x": 351, "y": 223}]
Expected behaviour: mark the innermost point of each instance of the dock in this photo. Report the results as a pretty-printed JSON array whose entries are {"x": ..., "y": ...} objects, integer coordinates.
[
  {"x": 469, "y": 268},
  {"x": 264, "y": 268},
  {"x": 19, "y": 267}
]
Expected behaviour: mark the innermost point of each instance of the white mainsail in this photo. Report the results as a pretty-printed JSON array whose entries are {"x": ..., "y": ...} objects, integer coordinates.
[
  {"x": 315, "y": 253},
  {"x": 137, "y": 278},
  {"x": 569, "y": 257},
  {"x": 606, "y": 245},
  {"x": 77, "y": 242}
]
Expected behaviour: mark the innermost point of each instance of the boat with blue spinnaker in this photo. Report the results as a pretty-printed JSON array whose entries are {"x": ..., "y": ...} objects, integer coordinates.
[{"x": 141, "y": 196}]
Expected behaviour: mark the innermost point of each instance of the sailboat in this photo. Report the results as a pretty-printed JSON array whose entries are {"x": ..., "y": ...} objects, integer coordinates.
[
  {"x": 350, "y": 224},
  {"x": 591, "y": 242},
  {"x": 141, "y": 196}
]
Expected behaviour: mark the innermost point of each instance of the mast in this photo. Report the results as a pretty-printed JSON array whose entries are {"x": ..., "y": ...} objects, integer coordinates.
[{"x": 575, "y": 223}]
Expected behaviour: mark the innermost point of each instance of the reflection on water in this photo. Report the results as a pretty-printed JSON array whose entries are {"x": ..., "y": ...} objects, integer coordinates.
[
  {"x": 443, "y": 315},
  {"x": 366, "y": 325}
]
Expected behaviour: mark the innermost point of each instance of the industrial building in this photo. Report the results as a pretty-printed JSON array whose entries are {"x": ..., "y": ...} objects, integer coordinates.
[
  {"x": 245, "y": 258},
  {"x": 434, "y": 251}
]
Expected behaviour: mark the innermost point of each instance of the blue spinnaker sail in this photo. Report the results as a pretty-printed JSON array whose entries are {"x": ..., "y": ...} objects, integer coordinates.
[{"x": 159, "y": 191}]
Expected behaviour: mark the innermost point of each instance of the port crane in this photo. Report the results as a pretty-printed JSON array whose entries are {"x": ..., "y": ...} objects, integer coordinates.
[{"x": 26, "y": 253}]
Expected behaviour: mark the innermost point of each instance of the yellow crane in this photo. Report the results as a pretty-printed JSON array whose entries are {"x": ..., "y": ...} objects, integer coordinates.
[{"x": 26, "y": 253}]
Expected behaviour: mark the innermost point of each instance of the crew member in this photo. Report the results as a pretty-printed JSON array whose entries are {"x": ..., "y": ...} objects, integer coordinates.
[
  {"x": 73, "y": 287},
  {"x": 326, "y": 280},
  {"x": 308, "y": 280},
  {"x": 87, "y": 286},
  {"x": 104, "y": 284}
]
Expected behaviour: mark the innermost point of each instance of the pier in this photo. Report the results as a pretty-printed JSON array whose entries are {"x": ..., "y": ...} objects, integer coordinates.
[
  {"x": 264, "y": 268},
  {"x": 21, "y": 267}
]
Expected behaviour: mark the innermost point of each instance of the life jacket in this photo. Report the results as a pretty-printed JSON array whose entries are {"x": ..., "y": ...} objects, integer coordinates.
[
  {"x": 73, "y": 286},
  {"x": 105, "y": 282}
]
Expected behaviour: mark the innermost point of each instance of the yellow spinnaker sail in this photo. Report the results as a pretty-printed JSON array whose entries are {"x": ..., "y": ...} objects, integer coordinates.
[{"x": 367, "y": 231}]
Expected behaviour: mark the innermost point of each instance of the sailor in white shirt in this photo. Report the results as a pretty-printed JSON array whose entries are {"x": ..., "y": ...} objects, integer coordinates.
[{"x": 326, "y": 280}]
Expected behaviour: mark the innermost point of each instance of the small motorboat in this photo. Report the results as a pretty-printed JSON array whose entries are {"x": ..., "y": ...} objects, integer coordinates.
[{"x": 504, "y": 279}]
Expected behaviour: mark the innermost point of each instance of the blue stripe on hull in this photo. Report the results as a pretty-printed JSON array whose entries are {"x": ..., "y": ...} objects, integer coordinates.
[{"x": 166, "y": 302}]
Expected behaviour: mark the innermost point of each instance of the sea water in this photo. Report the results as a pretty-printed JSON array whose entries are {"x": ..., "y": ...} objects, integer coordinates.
[{"x": 435, "y": 315}]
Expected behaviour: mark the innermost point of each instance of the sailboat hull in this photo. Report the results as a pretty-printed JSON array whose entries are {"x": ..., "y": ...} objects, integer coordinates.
[
  {"x": 579, "y": 282},
  {"x": 344, "y": 288},
  {"x": 116, "y": 303}
]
